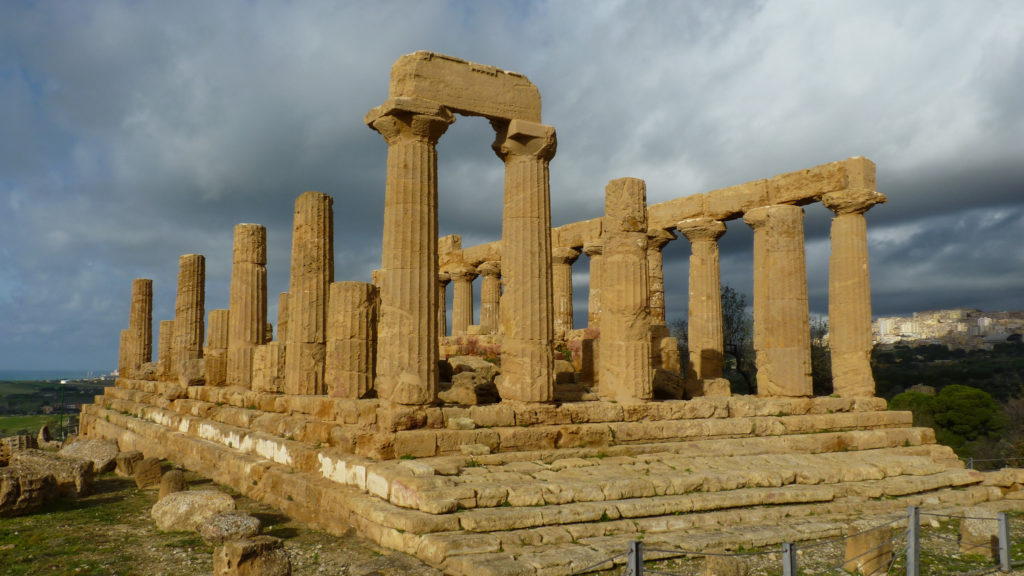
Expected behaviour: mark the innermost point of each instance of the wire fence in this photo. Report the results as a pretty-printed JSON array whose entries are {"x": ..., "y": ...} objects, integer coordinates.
[
  {"x": 992, "y": 463},
  {"x": 917, "y": 543}
]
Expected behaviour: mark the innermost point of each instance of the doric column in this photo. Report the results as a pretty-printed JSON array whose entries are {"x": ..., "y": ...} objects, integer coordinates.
[
  {"x": 782, "y": 333},
  {"x": 189, "y": 309},
  {"x": 561, "y": 284},
  {"x": 849, "y": 292},
  {"x": 625, "y": 371},
  {"x": 216, "y": 352},
  {"x": 247, "y": 302},
  {"x": 351, "y": 339},
  {"x": 165, "y": 348},
  {"x": 140, "y": 325},
  {"x": 490, "y": 296},
  {"x": 282, "y": 317},
  {"x": 705, "y": 305},
  {"x": 462, "y": 302},
  {"x": 656, "y": 241},
  {"x": 408, "y": 352},
  {"x": 124, "y": 354},
  {"x": 594, "y": 250},
  {"x": 312, "y": 271},
  {"x": 443, "y": 278},
  {"x": 526, "y": 310}
]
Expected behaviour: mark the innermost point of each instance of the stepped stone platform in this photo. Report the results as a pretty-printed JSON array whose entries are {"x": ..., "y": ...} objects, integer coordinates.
[{"x": 510, "y": 489}]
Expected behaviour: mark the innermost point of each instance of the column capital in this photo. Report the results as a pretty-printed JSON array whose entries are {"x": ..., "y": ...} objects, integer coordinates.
[
  {"x": 410, "y": 119},
  {"x": 462, "y": 272},
  {"x": 524, "y": 138},
  {"x": 443, "y": 278},
  {"x": 759, "y": 216},
  {"x": 697, "y": 229},
  {"x": 658, "y": 239},
  {"x": 593, "y": 248},
  {"x": 489, "y": 268},
  {"x": 852, "y": 200},
  {"x": 564, "y": 255}
]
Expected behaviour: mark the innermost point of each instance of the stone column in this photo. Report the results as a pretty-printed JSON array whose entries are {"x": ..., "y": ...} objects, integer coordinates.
[
  {"x": 312, "y": 272},
  {"x": 462, "y": 303},
  {"x": 282, "y": 317},
  {"x": 351, "y": 339},
  {"x": 561, "y": 284},
  {"x": 189, "y": 309},
  {"x": 704, "y": 320},
  {"x": 849, "y": 292},
  {"x": 443, "y": 278},
  {"x": 594, "y": 250},
  {"x": 124, "y": 353},
  {"x": 656, "y": 241},
  {"x": 247, "y": 302},
  {"x": 526, "y": 311},
  {"x": 625, "y": 322},
  {"x": 490, "y": 296},
  {"x": 782, "y": 332},
  {"x": 165, "y": 347},
  {"x": 216, "y": 352},
  {"x": 408, "y": 352},
  {"x": 140, "y": 325}
]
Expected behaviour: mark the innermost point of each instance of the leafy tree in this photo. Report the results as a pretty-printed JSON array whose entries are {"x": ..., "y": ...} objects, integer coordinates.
[
  {"x": 966, "y": 419},
  {"x": 821, "y": 358},
  {"x": 737, "y": 336}
]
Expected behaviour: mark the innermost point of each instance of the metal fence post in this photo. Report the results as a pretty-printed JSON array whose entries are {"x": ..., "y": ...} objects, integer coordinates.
[
  {"x": 970, "y": 463},
  {"x": 788, "y": 559},
  {"x": 1004, "y": 542},
  {"x": 635, "y": 561},
  {"x": 913, "y": 540}
]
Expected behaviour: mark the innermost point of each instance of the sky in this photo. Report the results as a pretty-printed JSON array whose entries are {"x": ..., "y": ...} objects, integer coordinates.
[{"x": 134, "y": 132}]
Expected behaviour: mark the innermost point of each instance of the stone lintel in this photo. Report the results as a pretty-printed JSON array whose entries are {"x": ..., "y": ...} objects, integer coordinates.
[{"x": 576, "y": 234}]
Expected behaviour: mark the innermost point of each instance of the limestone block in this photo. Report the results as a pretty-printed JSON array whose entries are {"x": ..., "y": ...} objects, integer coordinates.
[
  {"x": 215, "y": 354},
  {"x": 189, "y": 509},
  {"x": 192, "y": 372},
  {"x": 166, "y": 347},
  {"x": 481, "y": 253},
  {"x": 148, "y": 473},
  {"x": 126, "y": 461},
  {"x": 256, "y": 556},
  {"x": 351, "y": 339},
  {"x": 102, "y": 453},
  {"x": 172, "y": 481},
  {"x": 304, "y": 368},
  {"x": 734, "y": 201},
  {"x": 665, "y": 214},
  {"x": 268, "y": 368},
  {"x": 979, "y": 532},
  {"x": 475, "y": 364},
  {"x": 22, "y": 491},
  {"x": 73, "y": 476},
  {"x": 228, "y": 526},
  {"x": 867, "y": 549},
  {"x": 668, "y": 385},
  {"x": 725, "y": 566}
]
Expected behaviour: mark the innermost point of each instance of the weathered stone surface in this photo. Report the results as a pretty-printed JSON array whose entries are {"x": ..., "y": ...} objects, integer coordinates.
[
  {"x": 228, "y": 526},
  {"x": 125, "y": 463},
  {"x": 102, "y": 453},
  {"x": 247, "y": 302},
  {"x": 469, "y": 389},
  {"x": 22, "y": 491},
  {"x": 462, "y": 300},
  {"x": 705, "y": 339},
  {"x": 490, "y": 296},
  {"x": 868, "y": 549},
  {"x": 148, "y": 473},
  {"x": 725, "y": 566},
  {"x": 189, "y": 509},
  {"x": 475, "y": 364},
  {"x": 73, "y": 476},
  {"x": 561, "y": 279},
  {"x": 172, "y": 481},
  {"x": 979, "y": 532},
  {"x": 215, "y": 355},
  {"x": 256, "y": 556},
  {"x": 12, "y": 444},
  {"x": 189, "y": 313},
  {"x": 43, "y": 437},
  {"x": 140, "y": 326},
  {"x": 351, "y": 339}
]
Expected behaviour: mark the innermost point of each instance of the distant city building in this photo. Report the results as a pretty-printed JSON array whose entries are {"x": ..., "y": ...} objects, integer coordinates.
[{"x": 956, "y": 328}]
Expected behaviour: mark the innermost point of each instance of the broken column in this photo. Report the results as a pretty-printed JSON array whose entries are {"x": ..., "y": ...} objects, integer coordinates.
[
  {"x": 490, "y": 296},
  {"x": 593, "y": 250},
  {"x": 407, "y": 354},
  {"x": 216, "y": 352},
  {"x": 561, "y": 284},
  {"x": 351, "y": 339},
  {"x": 849, "y": 292},
  {"x": 140, "y": 325},
  {"x": 247, "y": 302},
  {"x": 782, "y": 333},
  {"x": 165, "y": 347},
  {"x": 705, "y": 307},
  {"x": 462, "y": 302},
  {"x": 312, "y": 270},
  {"x": 189, "y": 309},
  {"x": 526, "y": 311},
  {"x": 443, "y": 278},
  {"x": 625, "y": 370},
  {"x": 656, "y": 242}
]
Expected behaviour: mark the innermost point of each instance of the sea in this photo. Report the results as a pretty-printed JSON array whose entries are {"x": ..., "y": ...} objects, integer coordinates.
[{"x": 16, "y": 375}]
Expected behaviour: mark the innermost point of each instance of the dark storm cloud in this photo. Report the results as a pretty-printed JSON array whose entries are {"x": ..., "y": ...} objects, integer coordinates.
[{"x": 131, "y": 133}]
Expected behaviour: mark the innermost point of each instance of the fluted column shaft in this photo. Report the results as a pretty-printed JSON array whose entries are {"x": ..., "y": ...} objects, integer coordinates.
[
  {"x": 490, "y": 296},
  {"x": 462, "y": 303},
  {"x": 526, "y": 309},
  {"x": 282, "y": 317},
  {"x": 189, "y": 309},
  {"x": 656, "y": 242},
  {"x": 705, "y": 306},
  {"x": 626, "y": 372},
  {"x": 593, "y": 250},
  {"x": 351, "y": 339},
  {"x": 247, "y": 302},
  {"x": 443, "y": 279},
  {"x": 165, "y": 347},
  {"x": 407, "y": 354},
  {"x": 782, "y": 333},
  {"x": 124, "y": 353},
  {"x": 140, "y": 325},
  {"x": 312, "y": 271},
  {"x": 561, "y": 284},
  {"x": 216, "y": 352},
  {"x": 849, "y": 292}
]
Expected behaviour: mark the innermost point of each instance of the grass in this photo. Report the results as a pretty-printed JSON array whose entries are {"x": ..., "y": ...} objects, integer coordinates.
[{"x": 10, "y": 425}]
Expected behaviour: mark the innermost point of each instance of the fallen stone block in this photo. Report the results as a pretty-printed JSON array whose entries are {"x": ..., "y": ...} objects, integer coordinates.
[
  {"x": 257, "y": 556},
  {"x": 228, "y": 526},
  {"x": 190, "y": 509},
  {"x": 124, "y": 464},
  {"x": 23, "y": 491},
  {"x": 172, "y": 481},
  {"x": 102, "y": 453},
  {"x": 148, "y": 473},
  {"x": 73, "y": 476}
]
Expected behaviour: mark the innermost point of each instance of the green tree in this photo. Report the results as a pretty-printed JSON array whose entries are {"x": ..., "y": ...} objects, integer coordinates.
[
  {"x": 821, "y": 358},
  {"x": 966, "y": 419}
]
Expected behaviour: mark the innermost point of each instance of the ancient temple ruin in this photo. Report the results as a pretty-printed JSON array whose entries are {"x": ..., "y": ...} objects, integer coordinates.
[{"x": 347, "y": 417}]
